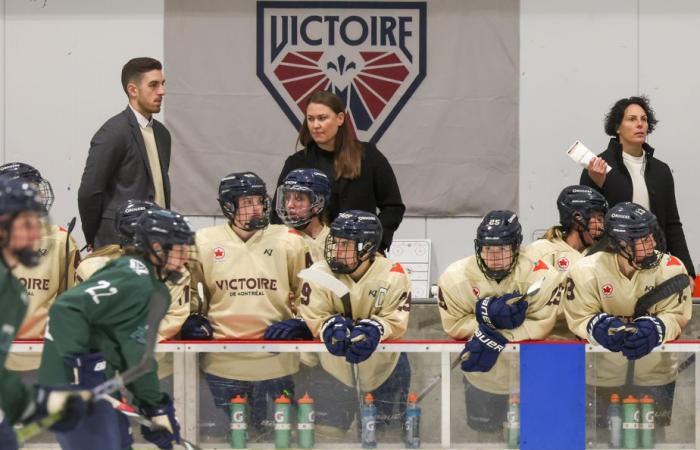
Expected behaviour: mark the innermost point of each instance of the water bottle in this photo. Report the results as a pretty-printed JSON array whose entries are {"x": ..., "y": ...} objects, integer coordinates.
[
  {"x": 305, "y": 421},
  {"x": 630, "y": 422},
  {"x": 513, "y": 422},
  {"x": 412, "y": 426},
  {"x": 239, "y": 427},
  {"x": 615, "y": 421},
  {"x": 369, "y": 422},
  {"x": 283, "y": 430},
  {"x": 647, "y": 426}
]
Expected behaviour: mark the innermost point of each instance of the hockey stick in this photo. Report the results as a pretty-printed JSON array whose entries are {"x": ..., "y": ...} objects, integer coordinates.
[
  {"x": 157, "y": 309},
  {"x": 131, "y": 412},
  {"x": 66, "y": 262},
  {"x": 533, "y": 289},
  {"x": 334, "y": 285},
  {"x": 667, "y": 288}
]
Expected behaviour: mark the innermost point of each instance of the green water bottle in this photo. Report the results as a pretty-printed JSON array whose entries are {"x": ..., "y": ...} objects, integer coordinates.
[
  {"x": 239, "y": 427},
  {"x": 283, "y": 429},
  {"x": 513, "y": 422},
  {"x": 305, "y": 421},
  {"x": 647, "y": 432},
  {"x": 630, "y": 422}
]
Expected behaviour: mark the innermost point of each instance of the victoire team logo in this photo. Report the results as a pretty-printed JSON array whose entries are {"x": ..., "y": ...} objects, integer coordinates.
[{"x": 372, "y": 54}]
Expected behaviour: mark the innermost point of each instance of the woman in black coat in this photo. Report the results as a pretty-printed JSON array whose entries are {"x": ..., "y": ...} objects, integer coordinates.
[
  {"x": 636, "y": 174},
  {"x": 361, "y": 176}
]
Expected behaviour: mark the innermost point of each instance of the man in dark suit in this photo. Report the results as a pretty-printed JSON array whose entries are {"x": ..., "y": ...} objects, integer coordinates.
[{"x": 129, "y": 155}]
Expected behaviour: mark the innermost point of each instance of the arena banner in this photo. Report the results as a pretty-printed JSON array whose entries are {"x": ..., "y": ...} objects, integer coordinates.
[{"x": 433, "y": 84}]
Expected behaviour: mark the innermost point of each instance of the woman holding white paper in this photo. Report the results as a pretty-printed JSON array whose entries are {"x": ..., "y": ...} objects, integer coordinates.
[{"x": 637, "y": 175}]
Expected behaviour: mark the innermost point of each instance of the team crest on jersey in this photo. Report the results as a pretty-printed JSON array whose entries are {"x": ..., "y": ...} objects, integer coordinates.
[
  {"x": 138, "y": 267},
  {"x": 607, "y": 290},
  {"x": 372, "y": 55},
  {"x": 563, "y": 264},
  {"x": 476, "y": 291},
  {"x": 219, "y": 254}
]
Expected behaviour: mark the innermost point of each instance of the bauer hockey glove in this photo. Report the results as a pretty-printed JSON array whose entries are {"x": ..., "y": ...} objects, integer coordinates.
[
  {"x": 88, "y": 369},
  {"x": 70, "y": 403},
  {"x": 196, "y": 328},
  {"x": 481, "y": 352},
  {"x": 650, "y": 333},
  {"x": 288, "y": 330},
  {"x": 364, "y": 339},
  {"x": 601, "y": 329},
  {"x": 336, "y": 334},
  {"x": 168, "y": 429},
  {"x": 496, "y": 313}
]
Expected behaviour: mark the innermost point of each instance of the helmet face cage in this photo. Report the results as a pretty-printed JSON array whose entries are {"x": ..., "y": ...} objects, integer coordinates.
[
  {"x": 237, "y": 186},
  {"x": 16, "y": 197},
  {"x": 297, "y": 205},
  {"x": 497, "y": 244},
  {"x": 29, "y": 174},
  {"x": 354, "y": 237},
  {"x": 635, "y": 234},
  {"x": 312, "y": 182}
]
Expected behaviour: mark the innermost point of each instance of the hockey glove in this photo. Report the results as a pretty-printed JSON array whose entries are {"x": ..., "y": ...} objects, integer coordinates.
[
  {"x": 7, "y": 433},
  {"x": 496, "y": 313},
  {"x": 70, "y": 403},
  {"x": 196, "y": 328},
  {"x": 288, "y": 330},
  {"x": 336, "y": 334},
  {"x": 650, "y": 333},
  {"x": 599, "y": 331},
  {"x": 89, "y": 369},
  {"x": 167, "y": 430},
  {"x": 481, "y": 352},
  {"x": 364, "y": 339}
]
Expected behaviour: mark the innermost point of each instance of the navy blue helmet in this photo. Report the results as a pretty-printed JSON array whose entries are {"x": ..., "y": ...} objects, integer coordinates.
[
  {"x": 498, "y": 228},
  {"x": 30, "y": 174},
  {"x": 577, "y": 204},
  {"x": 244, "y": 184},
  {"x": 364, "y": 229},
  {"x": 627, "y": 224},
  {"x": 314, "y": 185},
  {"x": 16, "y": 197},
  {"x": 163, "y": 227},
  {"x": 125, "y": 219}
]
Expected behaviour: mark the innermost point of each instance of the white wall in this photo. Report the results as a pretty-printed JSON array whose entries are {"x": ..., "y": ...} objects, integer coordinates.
[{"x": 62, "y": 61}]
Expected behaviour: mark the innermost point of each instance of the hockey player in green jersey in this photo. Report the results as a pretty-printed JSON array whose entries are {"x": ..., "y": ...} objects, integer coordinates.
[
  {"x": 21, "y": 227},
  {"x": 98, "y": 328}
]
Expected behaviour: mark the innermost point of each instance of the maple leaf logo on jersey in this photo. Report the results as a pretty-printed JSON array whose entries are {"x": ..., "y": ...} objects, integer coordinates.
[
  {"x": 372, "y": 55},
  {"x": 476, "y": 291},
  {"x": 563, "y": 264},
  {"x": 607, "y": 289},
  {"x": 219, "y": 254}
]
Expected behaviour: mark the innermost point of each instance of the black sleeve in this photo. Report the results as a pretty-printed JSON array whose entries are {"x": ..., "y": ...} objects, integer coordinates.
[
  {"x": 289, "y": 165},
  {"x": 106, "y": 153},
  {"x": 676, "y": 244},
  {"x": 388, "y": 198}
]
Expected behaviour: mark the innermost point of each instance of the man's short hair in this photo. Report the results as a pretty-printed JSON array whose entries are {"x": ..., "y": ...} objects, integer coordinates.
[{"x": 136, "y": 67}]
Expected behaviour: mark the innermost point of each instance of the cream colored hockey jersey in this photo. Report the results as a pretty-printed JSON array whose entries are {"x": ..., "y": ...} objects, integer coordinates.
[
  {"x": 317, "y": 244},
  {"x": 177, "y": 313},
  {"x": 43, "y": 283},
  {"x": 248, "y": 285},
  {"x": 599, "y": 286},
  {"x": 560, "y": 256},
  {"x": 382, "y": 294},
  {"x": 463, "y": 283}
]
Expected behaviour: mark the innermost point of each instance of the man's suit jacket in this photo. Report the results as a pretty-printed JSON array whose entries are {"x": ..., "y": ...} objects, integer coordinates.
[{"x": 117, "y": 170}]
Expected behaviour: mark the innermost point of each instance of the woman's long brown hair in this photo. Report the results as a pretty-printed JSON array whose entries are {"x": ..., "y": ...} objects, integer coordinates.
[{"x": 348, "y": 150}]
